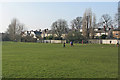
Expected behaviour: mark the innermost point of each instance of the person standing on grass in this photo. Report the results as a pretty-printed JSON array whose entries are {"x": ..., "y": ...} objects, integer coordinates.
[
  {"x": 82, "y": 42},
  {"x": 110, "y": 42},
  {"x": 64, "y": 44},
  {"x": 117, "y": 43},
  {"x": 70, "y": 43}
]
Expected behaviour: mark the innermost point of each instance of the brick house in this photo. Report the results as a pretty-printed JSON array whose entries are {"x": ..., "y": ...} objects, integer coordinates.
[{"x": 116, "y": 34}]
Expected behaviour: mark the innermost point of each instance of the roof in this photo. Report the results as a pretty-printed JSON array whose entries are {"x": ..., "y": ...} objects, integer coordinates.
[
  {"x": 101, "y": 31},
  {"x": 116, "y": 30},
  {"x": 37, "y": 32}
]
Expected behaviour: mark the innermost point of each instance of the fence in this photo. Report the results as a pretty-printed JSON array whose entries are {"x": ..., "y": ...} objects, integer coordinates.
[
  {"x": 104, "y": 41},
  {"x": 93, "y": 41},
  {"x": 51, "y": 41}
]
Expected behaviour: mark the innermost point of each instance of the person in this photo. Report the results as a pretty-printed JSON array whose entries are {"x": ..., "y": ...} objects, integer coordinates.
[
  {"x": 82, "y": 41},
  {"x": 110, "y": 42},
  {"x": 117, "y": 43},
  {"x": 64, "y": 44},
  {"x": 70, "y": 43}
]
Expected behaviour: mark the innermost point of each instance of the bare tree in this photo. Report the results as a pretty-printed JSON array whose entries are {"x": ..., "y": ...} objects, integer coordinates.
[
  {"x": 59, "y": 27},
  {"x": 91, "y": 29},
  {"x": 14, "y": 30},
  {"x": 108, "y": 24},
  {"x": 119, "y": 15},
  {"x": 76, "y": 23},
  {"x": 115, "y": 21},
  {"x": 110, "y": 35},
  {"x": 93, "y": 26},
  {"x": 94, "y": 21},
  {"x": 84, "y": 23},
  {"x": 106, "y": 21},
  {"x": 87, "y": 23}
]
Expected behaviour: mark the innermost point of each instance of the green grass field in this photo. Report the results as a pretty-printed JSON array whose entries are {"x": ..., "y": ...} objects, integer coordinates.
[{"x": 39, "y": 60}]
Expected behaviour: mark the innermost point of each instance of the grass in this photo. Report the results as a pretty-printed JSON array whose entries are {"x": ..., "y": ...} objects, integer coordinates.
[{"x": 38, "y": 60}]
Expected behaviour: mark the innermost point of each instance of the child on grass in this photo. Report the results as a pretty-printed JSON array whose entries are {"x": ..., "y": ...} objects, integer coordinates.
[{"x": 64, "y": 44}]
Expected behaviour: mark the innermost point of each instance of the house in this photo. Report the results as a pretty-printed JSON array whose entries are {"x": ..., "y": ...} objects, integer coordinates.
[
  {"x": 100, "y": 33},
  {"x": 32, "y": 33},
  {"x": 37, "y": 33},
  {"x": 46, "y": 33},
  {"x": 116, "y": 34}
]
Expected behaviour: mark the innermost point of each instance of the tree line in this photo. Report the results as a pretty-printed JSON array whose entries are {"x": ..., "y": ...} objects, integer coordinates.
[{"x": 87, "y": 23}]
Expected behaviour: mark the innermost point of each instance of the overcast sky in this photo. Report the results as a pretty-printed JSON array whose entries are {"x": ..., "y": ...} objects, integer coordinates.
[{"x": 40, "y": 15}]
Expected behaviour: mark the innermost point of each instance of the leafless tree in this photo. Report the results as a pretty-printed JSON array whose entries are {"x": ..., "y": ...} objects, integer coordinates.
[
  {"x": 108, "y": 24},
  {"x": 118, "y": 15},
  {"x": 94, "y": 21},
  {"x": 87, "y": 24},
  {"x": 14, "y": 29},
  {"x": 115, "y": 21},
  {"x": 76, "y": 23},
  {"x": 84, "y": 24},
  {"x": 93, "y": 26},
  {"x": 106, "y": 21},
  {"x": 59, "y": 27}
]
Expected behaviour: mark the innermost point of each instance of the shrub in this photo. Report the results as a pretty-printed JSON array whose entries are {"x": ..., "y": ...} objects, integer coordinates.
[
  {"x": 75, "y": 37},
  {"x": 50, "y": 37},
  {"x": 103, "y": 36},
  {"x": 28, "y": 39}
]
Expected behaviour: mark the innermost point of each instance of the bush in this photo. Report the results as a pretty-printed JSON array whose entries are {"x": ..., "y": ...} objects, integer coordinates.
[
  {"x": 97, "y": 37},
  {"x": 5, "y": 37},
  {"x": 28, "y": 39},
  {"x": 57, "y": 38},
  {"x": 49, "y": 37},
  {"x": 103, "y": 36},
  {"x": 75, "y": 37}
]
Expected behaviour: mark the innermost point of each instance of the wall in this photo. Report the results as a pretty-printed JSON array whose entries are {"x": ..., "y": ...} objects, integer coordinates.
[
  {"x": 95, "y": 41},
  {"x": 108, "y": 41},
  {"x": 51, "y": 41},
  {"x": 104, "y": 41}
]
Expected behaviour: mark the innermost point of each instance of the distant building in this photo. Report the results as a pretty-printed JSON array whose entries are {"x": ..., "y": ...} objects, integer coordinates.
[
  {"x": 32, "y": 33},
  {"x": 99, "y": 32},
  {"x": 116, "y": 34},
  {"x": 46, "y": 33}
]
